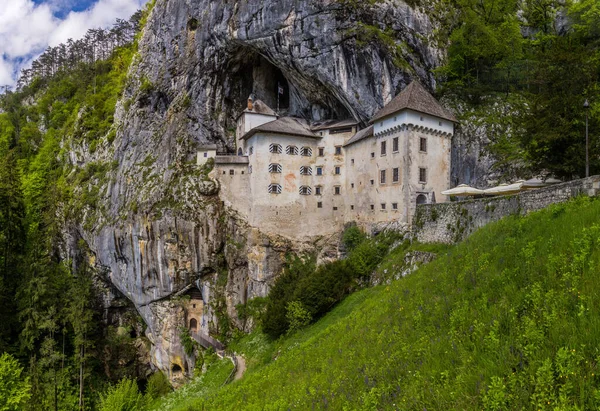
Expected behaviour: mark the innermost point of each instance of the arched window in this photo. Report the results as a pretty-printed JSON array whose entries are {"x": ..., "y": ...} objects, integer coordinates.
[
  {"x": 306, "y": 151},
  {"x": 421, "y": 199},
  {"x": 305, "y": 190},
  {"x": 275, "y": 168},
  {"x": 275, "y": 148},
  {"x": 193, "y": 324},
  {"x": 274, "y": 189},
  {"x": 306, "y": 170},
  {"x": 291, "y": 150},
  {"x": 240, "y": 152}
]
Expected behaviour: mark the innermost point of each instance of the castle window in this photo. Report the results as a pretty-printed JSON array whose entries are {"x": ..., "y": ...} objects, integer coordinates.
[
  {"x": 441, "y": 123},
  {"x": 383, "y": 148},
  {"x": 305, "y": 190},
  {"x": 352, "y": 161},
  {"x": 335, "y": 208},
  {"x": 321, "y": 151},
  {"x": 338, "y": 150},
  {"x": 372, "y": 182},
  {"x": 421, "y": 199},
  {"x": 352, "y": 207},
  {"x": 352, "y": 185},
  {"x": 338, "y": 170},
  {"x": 274, "y": 189},
  {"x": 423, "y": 144},
  {"x": 319, "y": 171},
  {"x": 395, "y": 118},
  {"x": 291, "y": 150},
  {"x": 395, "y": 175},
  {"x": 306, "y": 151},
  {"x": 240, "y": 152},
  {"x": 373, "y": 155},
  {"x": 394, "y": 206},
  {"x": 372, "y": 206},
  {"x": 205, "y": 155},
  {"x": 395, "y": 145},
  {"x": 306, "y": 171},
  {"x": 275, "y": 148},
  {"x": 320, "y": 204},
  {"x": 275, "y": 168},
  {"x": 251, "y": 151},
  {"x": 382, "y": 177},
  {"x": 231, "y": 172},
  {"x": 383, "y": 206},
  {"x": 317, "y": 190},
  {"x": 337, "y": 190},
  {"x": 422, "y": 119},
  {"x": 224, "y": 172},
  {"x": 422, "y": 175}
]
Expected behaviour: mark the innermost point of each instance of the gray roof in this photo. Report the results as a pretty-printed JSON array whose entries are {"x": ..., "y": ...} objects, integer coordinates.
[
  {"x": 329, "y": 124},
  {"x": 232, "y": 159},
  {"x": 290, "y": 126},
  {"x": 259, "y": 107},
  {"x": 415, "y": 97},
  {"x": 361, "y": 135}
]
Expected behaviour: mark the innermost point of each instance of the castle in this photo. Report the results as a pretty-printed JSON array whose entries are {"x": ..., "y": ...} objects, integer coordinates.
[{"x": 299, "y": 180}]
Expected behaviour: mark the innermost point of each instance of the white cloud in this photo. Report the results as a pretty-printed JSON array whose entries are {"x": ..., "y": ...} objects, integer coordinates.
[{"x": 26, "y": 29}]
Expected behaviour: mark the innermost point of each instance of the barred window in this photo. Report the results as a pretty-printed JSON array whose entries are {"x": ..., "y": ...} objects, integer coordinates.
[
  {"x": 422, "y": 175},
  {"x": 275, "y": 148},
  {"x": 306, "y": 151},
  {"x": 318, "y": 190},
  {"x": 383, "y": 148},
  {"x": 320, "y": 204},
  {"x": 274, "y": 189},
  {"x": 275, "y": 168},
  {"x": 338, "y": 170},
  {"x": 383, "y": 206},
  {"x": 382, "y": 177},
  {"x": 305, "y": 190},
  {"x": 319, "y": 171},
  {"x": 423, "y": 144},
  {"x": 337, "y": 190},
  {"x": 321, "y": 151},
  {"x": 306, "y": 170},
  {"x": 395, "y": 175},
  {"x": 394, "y": 206},
  {"x": 291, "y": 150},
  {"x": 395, "y": 145},
  {"x": 338, "y": 150}
]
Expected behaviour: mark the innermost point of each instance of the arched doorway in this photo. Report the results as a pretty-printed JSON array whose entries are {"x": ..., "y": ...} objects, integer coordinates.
[
  {"x": 240, "y": 152},
  {"x": 421, "y": 199},
  {"x": 193, "y": 324}
]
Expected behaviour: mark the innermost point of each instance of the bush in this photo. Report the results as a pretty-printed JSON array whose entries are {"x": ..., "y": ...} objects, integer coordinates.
[
  {"x": 15, "y": 390},
  {"x": 158, "y": 386},
  {"x": 297, "y": 315},
  {"x": 352, "y": 237},
  {"x": 125, "y": 396}
]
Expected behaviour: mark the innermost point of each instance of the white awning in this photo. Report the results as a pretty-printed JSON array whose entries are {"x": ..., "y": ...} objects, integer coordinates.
[
  {"x": 505, "y": 189},
  {"x": 463, "y": 190}
]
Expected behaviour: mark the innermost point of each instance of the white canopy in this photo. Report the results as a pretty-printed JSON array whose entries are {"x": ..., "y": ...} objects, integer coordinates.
[
  {"x": 505, "y": 189},
  {"x": 534, "y": 183},
  {"x": 463, "y": 190}
]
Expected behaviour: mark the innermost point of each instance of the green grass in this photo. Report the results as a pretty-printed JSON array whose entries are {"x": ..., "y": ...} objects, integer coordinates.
[{"x": 509, "y": 319}]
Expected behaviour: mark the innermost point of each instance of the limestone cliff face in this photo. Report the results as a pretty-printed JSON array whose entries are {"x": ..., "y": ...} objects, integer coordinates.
[{"x": 163, "y": 226}]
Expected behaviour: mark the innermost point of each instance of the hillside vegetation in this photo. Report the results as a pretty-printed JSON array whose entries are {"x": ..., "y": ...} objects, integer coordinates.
[{"x": 509, "y": 319}]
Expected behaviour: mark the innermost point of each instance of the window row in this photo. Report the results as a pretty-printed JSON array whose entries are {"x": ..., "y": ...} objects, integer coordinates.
[
  {"x": 304, "y": 170},
  {"x": 304, "y": 190},
  {"x": 396, "y": 146},
  {"x": 294, "y": 151}
]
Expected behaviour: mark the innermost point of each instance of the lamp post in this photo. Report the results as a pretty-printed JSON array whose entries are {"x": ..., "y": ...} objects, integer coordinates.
[{"x": 586, "y": 106}]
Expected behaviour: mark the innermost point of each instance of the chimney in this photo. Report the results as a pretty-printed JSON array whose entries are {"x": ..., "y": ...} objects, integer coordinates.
[{"x": 250, "y": 103}]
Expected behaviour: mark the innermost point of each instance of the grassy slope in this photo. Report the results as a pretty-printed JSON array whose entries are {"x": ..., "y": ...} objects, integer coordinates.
[{"x": 509, "y": 319}]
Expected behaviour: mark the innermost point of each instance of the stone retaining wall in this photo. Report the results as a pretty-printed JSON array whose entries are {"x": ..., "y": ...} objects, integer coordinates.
[{"x": 452, "y": 222}]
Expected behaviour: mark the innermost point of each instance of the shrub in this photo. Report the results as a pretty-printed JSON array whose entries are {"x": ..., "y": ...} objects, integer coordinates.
[
  {"x": 352, "y": 237},
  {"x": 297, "y": 316},
  {"x": 15, "y": 390},
  {"x": 158, "y": 386},
  {"x": 125, "y": 396}
]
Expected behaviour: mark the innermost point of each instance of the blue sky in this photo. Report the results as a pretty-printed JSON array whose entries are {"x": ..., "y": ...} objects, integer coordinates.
[{"x": 28, "y": 27}]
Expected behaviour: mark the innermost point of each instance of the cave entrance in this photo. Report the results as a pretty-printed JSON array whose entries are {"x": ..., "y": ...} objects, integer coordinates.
[{"x": 254, "y": 74}]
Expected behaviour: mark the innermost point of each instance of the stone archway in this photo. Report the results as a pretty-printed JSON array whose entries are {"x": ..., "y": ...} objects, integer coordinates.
[
  {"x": 193, "y": 324},
  {"x": 421, "y": 199}
]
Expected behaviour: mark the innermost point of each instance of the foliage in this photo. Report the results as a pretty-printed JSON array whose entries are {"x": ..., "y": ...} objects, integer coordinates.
[
  {"x": 189, "y": 344},
  {"x": 125, "y": 396},
  {"x": 506, "y": 320},
  {"x": 158, "y": 386},
  {"x": 297, "y": 316},
  {"x": 352, "y": 237},
  {"x": 14, "y": 387}
]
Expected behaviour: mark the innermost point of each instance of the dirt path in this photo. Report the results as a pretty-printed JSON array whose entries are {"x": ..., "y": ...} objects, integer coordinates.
[{"x": 241, "y": 367}]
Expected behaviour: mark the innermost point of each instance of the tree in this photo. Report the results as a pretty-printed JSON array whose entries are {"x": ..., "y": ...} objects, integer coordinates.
[
  {"x": 125, "y": 396},
  {"x": 14, "y": 388}
]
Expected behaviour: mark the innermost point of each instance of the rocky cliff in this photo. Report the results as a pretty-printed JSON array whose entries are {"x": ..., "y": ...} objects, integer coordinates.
[{"x": 163, "y": 226}]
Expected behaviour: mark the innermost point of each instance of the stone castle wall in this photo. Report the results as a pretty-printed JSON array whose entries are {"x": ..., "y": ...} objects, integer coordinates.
[{"x": 452, "y": 222}]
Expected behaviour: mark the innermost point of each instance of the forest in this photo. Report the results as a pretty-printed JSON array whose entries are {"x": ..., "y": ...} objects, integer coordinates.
[{"x": 523, "y": 68}]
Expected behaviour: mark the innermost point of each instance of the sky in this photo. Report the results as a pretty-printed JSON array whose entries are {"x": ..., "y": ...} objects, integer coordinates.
[{"x": 28, "y": 27}]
